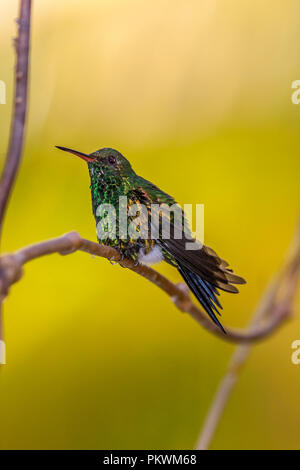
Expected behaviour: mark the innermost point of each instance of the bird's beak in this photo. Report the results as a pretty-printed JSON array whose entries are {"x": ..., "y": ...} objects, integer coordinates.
[{"x": 84, "y": 156}]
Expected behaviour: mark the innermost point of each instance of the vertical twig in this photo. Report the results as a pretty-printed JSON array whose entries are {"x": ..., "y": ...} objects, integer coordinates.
[
  {"x": 286, "y": 283},
  {"x": 16, "y": 140},
  {"x": 20, "y": 105},
  {"x": 230, "y": 379}
]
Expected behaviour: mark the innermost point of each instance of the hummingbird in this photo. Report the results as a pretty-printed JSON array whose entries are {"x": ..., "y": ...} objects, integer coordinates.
[{"x": 205, "y": 273}]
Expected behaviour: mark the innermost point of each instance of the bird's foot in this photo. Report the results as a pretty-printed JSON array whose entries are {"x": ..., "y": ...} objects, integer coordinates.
[
  {"x": 120, "y": 261},
  {"x": 113, "y": 262}
]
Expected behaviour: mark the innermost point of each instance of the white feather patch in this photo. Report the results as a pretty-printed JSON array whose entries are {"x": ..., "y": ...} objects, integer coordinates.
[{"x": 154, "y": 256}]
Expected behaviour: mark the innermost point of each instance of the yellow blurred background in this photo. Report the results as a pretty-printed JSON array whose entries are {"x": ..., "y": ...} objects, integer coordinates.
[{"x": 197, "y": 95}]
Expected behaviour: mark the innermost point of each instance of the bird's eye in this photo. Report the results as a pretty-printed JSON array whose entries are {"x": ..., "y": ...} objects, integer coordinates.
[{"x": 111, "y": 159}]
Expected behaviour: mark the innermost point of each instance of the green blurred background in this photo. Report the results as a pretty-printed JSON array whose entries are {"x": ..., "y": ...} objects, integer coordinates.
[{"x": 197, "y": 94}]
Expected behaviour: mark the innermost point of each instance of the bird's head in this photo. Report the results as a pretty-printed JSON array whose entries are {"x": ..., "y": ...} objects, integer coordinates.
[{"x": 104, "y": 162}]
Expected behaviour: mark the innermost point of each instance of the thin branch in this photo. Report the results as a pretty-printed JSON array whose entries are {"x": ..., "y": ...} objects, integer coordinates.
[
  {"x": 16, "y": 140},
  {"x": 11, "y": 271},
  {"x": 286, "y": 282},
  {"x": 229, "y": 381},
  {"x": 20, "y": 105}
]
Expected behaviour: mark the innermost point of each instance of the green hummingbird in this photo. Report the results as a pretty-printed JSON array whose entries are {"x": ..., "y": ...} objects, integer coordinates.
[{"x": 113, "y": 179}]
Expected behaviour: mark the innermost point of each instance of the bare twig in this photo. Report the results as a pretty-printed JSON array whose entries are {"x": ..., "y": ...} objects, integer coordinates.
[
  {"x": 11, "y": 271},
  {"x": 286, "y": 285},
  {"x": 16, "y": 140},
  {"x": 20, "y": 105}
]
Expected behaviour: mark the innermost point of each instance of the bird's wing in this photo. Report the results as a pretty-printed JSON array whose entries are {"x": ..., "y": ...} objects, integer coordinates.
[
  {"x": 202, "y": 269},
  {"x": 203, "y": 261},
  {"x": 204, "y": 272}
]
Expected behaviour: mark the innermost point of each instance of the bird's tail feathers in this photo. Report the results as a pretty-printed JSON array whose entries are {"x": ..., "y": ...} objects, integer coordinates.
[{"x": 205, "y": 293}]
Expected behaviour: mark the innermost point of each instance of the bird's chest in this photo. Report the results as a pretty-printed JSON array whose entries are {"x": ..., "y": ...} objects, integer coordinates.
[{"x": 115, "y": 223}]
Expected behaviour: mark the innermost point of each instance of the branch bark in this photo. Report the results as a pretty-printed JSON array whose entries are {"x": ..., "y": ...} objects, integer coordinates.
[
  {"x": 16, "y": 140},
  {"x": 11, "y": 270},
  {"x": 285, "y": 283}
]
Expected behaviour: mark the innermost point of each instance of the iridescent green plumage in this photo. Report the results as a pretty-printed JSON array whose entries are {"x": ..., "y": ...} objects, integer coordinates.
[{"x": 112, "y": 177}]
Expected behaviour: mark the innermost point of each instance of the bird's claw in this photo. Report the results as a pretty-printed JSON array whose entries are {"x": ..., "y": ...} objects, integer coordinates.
[{"x": 111, "y": 260}]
